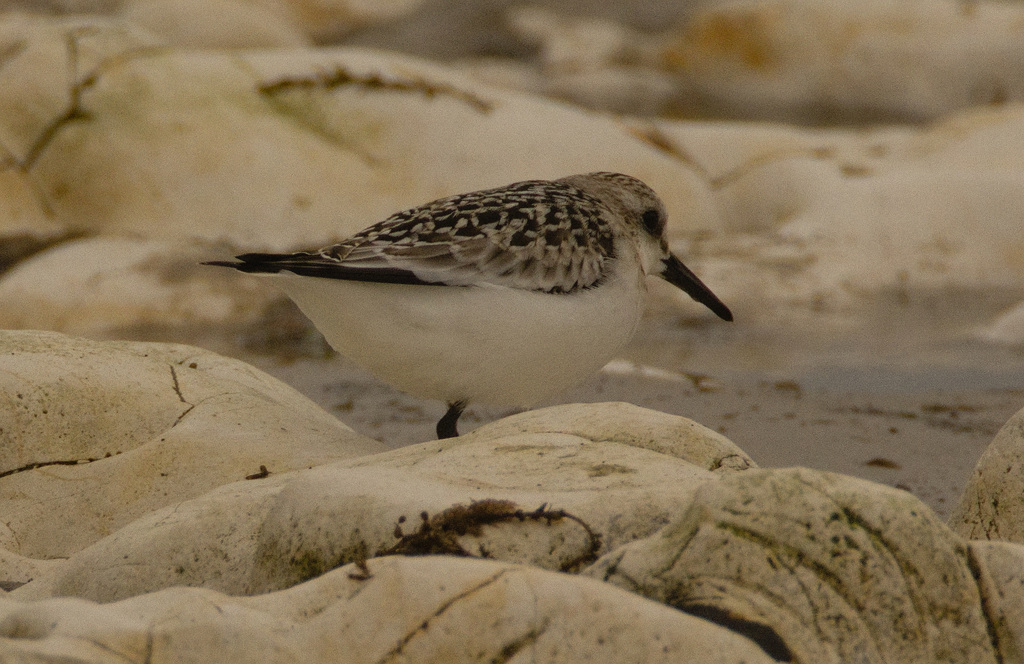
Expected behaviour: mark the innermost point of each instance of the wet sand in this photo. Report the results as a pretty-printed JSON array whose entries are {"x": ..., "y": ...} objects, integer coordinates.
[{"x": 926, "y": 442}]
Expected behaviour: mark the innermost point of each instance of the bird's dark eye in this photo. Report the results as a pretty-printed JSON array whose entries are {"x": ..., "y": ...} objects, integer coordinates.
[{"x": 652, "y": 222}]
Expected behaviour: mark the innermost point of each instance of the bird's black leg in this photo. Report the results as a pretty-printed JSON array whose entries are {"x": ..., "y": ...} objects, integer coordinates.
[{"x": 446, "y": 425}]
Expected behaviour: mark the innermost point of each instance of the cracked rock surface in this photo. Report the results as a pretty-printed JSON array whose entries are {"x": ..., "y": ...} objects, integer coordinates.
[
  {"x": 817, "y": 567},
  {"x": 231, "y": 502},
  {"x": 992, "y": 505},
  {"x": 95, "y": 435},
  {"x": 297, "y": 134},
  {"x": 395, "y": 609},
  {"x": 540, "y": 488},
  {"x": 220, "y": 516}
]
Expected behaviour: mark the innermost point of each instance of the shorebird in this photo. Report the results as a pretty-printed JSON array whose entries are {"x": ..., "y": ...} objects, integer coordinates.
[{"x": 504, "y": 296}]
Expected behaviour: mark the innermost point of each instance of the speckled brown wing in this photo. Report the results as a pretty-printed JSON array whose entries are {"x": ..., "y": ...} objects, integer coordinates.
[{"x": 534, "y": 235}]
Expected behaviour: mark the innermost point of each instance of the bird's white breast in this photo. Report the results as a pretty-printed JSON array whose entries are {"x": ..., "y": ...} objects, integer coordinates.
[{"x": 493, "y": 344}]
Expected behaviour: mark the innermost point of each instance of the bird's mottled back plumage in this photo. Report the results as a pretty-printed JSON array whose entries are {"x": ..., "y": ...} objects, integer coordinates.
[
  {"x": 546, "y": 235},
  {"x": 549, "y": 236}
]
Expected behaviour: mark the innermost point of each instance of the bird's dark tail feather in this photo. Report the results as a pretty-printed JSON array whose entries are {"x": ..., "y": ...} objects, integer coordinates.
[
  {"x": 257, "y": 263},
  {"x": 314, "y": 265}
]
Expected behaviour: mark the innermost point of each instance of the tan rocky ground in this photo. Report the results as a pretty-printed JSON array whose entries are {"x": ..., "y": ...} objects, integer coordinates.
[{"x": 875, "y": 270}]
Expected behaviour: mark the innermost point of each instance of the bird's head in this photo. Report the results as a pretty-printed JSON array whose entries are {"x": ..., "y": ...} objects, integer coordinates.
[{"x": 645, "y": 220}]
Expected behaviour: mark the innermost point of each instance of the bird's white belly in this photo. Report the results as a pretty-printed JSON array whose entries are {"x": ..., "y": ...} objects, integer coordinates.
[{"x": 483, "y": 343}]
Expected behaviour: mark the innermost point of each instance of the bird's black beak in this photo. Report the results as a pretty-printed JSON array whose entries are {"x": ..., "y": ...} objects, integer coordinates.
[{"x": 681, "y": 277}]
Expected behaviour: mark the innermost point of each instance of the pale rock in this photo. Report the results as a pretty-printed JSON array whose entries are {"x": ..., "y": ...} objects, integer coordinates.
[
  {"x": 95, "y": 435},
  {"x": 326, "y": 20},
  {"x": 831, "y": 216},
  {"x": 441, "y": 133},
  {"x": 790, "y": 60},
  {"x": 1007, "y": 329},
  {"x": 208, "y": 542},
  {"x": 1000, "y": 575},
  {"x": 47, "y": 62},
  {"x": 16, "y": 571},
  {"x": 817, "y": 567},
  {"x": 552, "y": 488},
  {"x": 188, "y": 148},
  {"x": 217, "y": 23},
  {"x": 811, "y": 61},
  {"x": 427, "y": 609},
  {"x": 591, "y": 61},
  {"x": 100, "y": 286},
  {"x": 27, "y": 220},
  {"x": 992, "y": 505},
  {"x": 570, "y": 45},
  {"x": 271, "y": 150},
  {"x": 631, "y": 425},
  {"x": 279, "y": 149}
]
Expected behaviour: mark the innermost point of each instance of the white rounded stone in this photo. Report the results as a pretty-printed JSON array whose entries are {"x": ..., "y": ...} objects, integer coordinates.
[
  {"x": 217, "y": 23},
  {"x": 999, "y": 568},
  {"x": 106, "y": 285},
  {"x": 819, "y": 62},
  {"x": 112, "y": 431},
  {"x": 827, "y": 219},
  {"x": 815, "y": 566},
  {"x": 992, "y": 505},
  {"x": 521, "y": 491},
  {"x": 427, "y": 609}
]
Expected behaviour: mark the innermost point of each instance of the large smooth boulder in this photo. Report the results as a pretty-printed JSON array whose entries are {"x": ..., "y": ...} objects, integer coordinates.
[
  {"x": 862, "y": 60},
  {"x": 275, "y": 149},
  {"x": 430, "y": 609},
  {"x": 95, "y": 435},
  {"x": 126, "y": 286},
  {"x": 816, "y": 567},
  {"x": 173, "y": 156},
  {"x": 999, "y": 568},
  {"x": 992, "y": 504},
  {"x": 824, "y": 217},
  {"x": 553, "y": 488}
]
